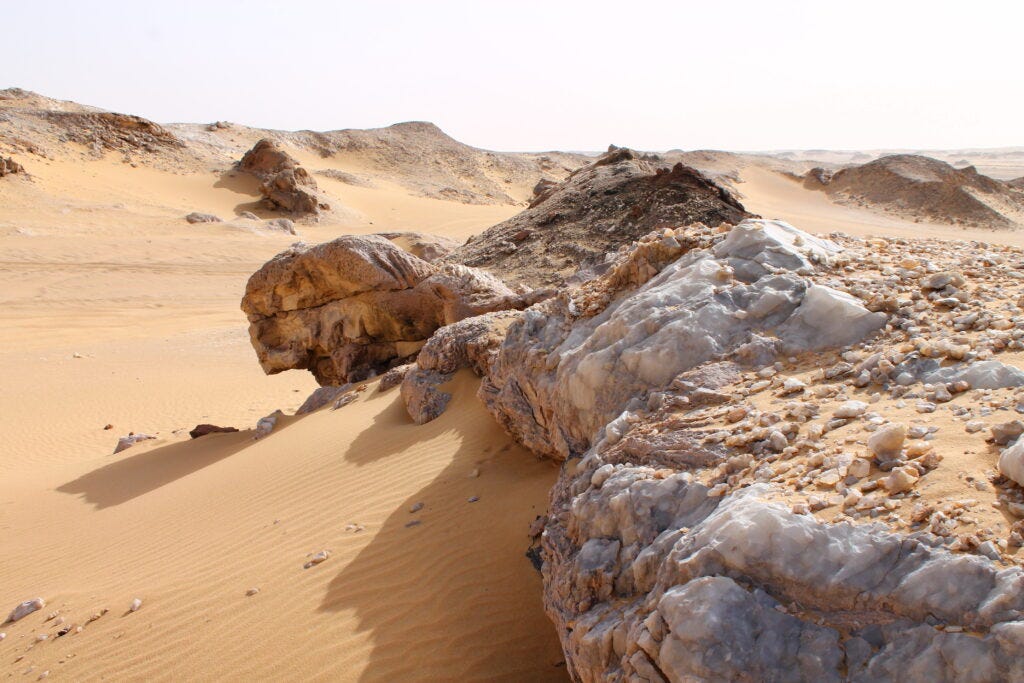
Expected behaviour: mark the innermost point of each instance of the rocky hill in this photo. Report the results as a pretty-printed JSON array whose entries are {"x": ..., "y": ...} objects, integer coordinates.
[
  {"x": 924, "y": 188},
  {"x": 592, "y": 213}
]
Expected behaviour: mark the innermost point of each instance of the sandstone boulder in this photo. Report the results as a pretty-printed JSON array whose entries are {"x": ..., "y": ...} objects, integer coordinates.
[
  {"x": 353, "y": 307},
  {"x": 10, "y": 166},
  {"x": 285, "y": 185}
]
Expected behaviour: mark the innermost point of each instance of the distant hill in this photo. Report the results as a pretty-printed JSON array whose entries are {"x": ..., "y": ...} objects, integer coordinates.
[
  {"x": 417, "y": 156},
  {"x": 924, "y": 188}
]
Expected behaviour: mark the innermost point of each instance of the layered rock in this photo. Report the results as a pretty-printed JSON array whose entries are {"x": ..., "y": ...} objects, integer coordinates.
[
  {"x": 356, "y": 306},
  {"x": 595, "y": 211},
  {"x": 285, "y": 185}
]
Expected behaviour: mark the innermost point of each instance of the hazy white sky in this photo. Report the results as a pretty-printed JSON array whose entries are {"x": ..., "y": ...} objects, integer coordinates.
[{"x": 741, "y": 74}]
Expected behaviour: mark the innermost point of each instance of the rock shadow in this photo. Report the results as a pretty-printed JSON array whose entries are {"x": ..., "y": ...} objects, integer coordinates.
[
  {"x": 138, "y": 474},
  {"x": 428, "y": 581}
]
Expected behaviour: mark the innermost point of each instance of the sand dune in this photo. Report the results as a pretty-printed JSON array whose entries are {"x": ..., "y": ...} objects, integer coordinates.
[{"x": 189, "y": 527}]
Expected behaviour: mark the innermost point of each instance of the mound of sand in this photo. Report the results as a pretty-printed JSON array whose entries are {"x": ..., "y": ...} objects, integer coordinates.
[
  {"x": 921, "y": 187},
  {"x": 596, "y": 210}
]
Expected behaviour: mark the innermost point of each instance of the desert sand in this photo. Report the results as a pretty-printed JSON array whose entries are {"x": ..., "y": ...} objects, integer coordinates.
[{"x": 117, "y": 312}]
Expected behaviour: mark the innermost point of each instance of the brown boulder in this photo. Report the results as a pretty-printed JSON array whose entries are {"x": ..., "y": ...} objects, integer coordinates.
[
  {"x": 10, "y": 166},
  {"x": 204, "y": 429},
  {"x": 285, "y": 185},
  {"x": 358, "y": 305}
]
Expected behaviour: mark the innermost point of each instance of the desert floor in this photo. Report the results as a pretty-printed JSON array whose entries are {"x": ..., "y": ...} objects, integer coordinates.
[{"x": 116, "y": 311}]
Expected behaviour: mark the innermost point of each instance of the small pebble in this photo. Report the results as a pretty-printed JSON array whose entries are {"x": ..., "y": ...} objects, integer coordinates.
[
  {"x": 415, "y": 507},
  {"x": 473, "y": 499},
  {"x": 317, "y": 559},
  {"x": 252, "y": 591},
  {"x": 136, "y": 605}
]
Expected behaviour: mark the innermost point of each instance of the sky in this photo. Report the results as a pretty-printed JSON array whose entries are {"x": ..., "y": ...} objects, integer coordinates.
[{"x": 529, "y": 76}]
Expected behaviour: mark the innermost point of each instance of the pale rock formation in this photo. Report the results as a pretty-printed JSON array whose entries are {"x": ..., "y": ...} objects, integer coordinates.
[
  {"x": 322, "y": 396},
  {"x": 354, "y": 307},
  {"x": 659, "y": 564},
  {"x": 581, "y": 369},
  {"x": 652, "y": 579},
  {"x": 265, "y": 425},
  {"x": 428, "y": 247},
  {"x": 470, "y": 343}
]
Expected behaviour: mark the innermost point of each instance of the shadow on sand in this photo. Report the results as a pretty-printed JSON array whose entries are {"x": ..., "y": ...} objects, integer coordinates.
[
  {"x": 247, "y": 185},
  {"x": 426, "y": 590},
  {"x": 135, "y": 475}
]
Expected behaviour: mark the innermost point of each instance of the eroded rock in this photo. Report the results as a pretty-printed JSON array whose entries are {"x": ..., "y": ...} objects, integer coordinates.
[
  {"x": 583, "y": 359},
  {"x": 354, "y": 307},
  {"x": 285, "y": 186}
]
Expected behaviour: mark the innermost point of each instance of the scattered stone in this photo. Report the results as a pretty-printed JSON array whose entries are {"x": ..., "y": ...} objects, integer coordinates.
[
  {"x": 204, "y": 429},
  {"x": 1006, "y": 432},
  {"x": 252, "y": 591},
  {"x": 130, "y": 440},
  {"x": 900, "y": 480},
  {"x": 24, "y": 609},
  {"x": 851, "y": 409},
  {"x": 415, "y": 507},
  {"x": 136, "y": 605},
  {"x": 317, "y": 559},
  {"x": 196, "y": 217},
  {"x": 473, "y": 499},
  {"x": 265, "y": 425},
  {"x": 887, "y": 442}
]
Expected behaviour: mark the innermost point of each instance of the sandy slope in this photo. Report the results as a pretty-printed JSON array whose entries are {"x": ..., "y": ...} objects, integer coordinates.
[
  {"x": 117, "y": 311},
  {"x": 189, "y": 527}
]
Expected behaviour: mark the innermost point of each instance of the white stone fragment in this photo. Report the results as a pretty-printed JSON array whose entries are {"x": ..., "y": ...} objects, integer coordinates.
[
  {"x": 851, "y": 409},
  {"x": 1011, "y": 462},
  {"x": 987, "y": 374},
  {"x": 24, "y": 609},
  {"x": 887, "y": 442}
]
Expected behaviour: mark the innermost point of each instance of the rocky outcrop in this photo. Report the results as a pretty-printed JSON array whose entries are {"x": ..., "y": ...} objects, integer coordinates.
[
  {"x": 471, "y": 343},
  {"x": 595, "y": 211},
  {"x": 428, "y": 247},
  {"x": 9, "y": 166},
  {"x": 354, "y": 307},
  {"x": 198, "y": 217},
  {"x": 577, "y": 361},
  {"x": 285, "y": 185},
  {"x": 924, "y": 188},
  {"x": 727, "y": 510}
]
